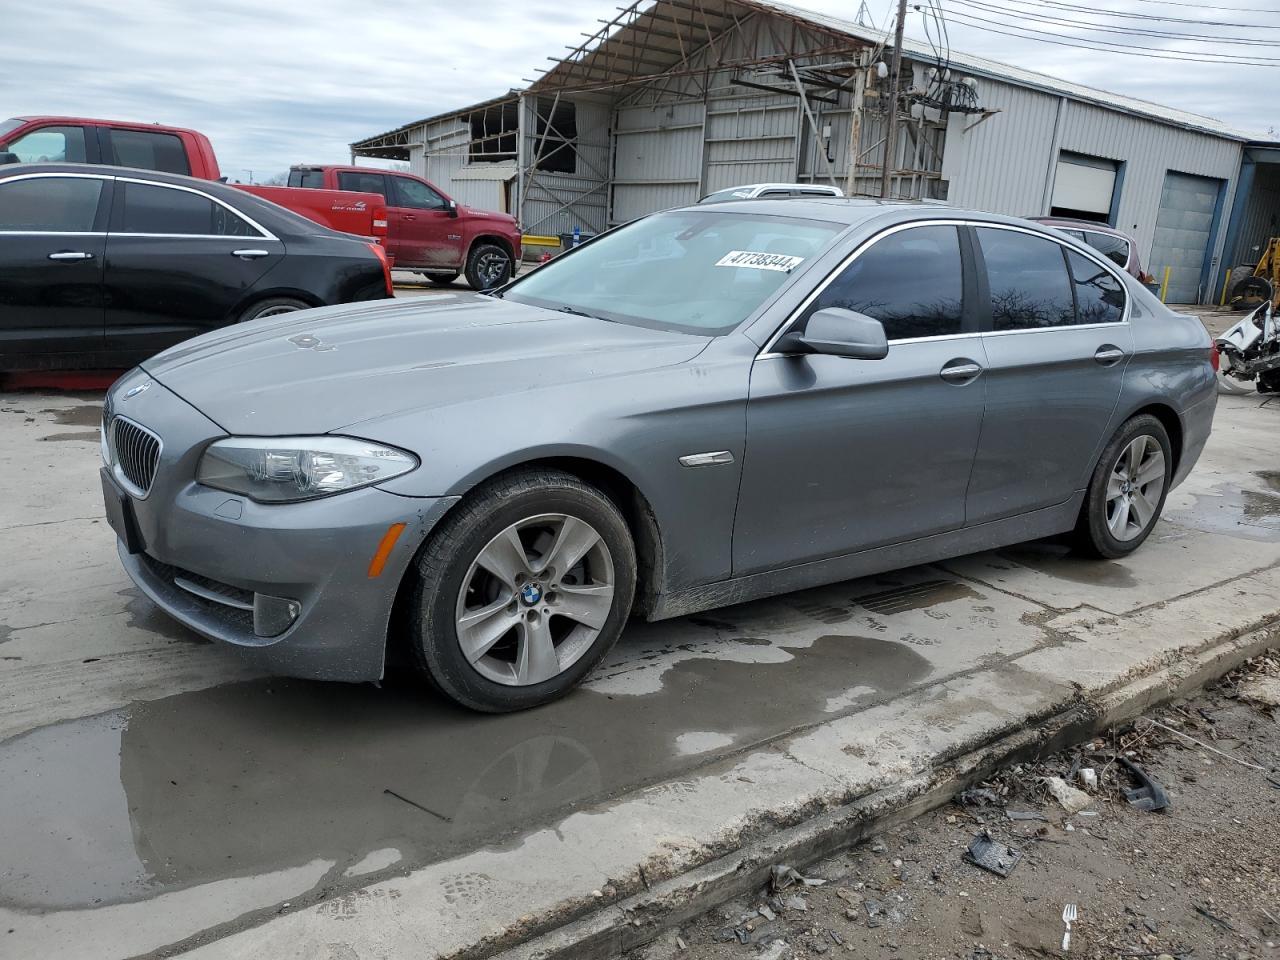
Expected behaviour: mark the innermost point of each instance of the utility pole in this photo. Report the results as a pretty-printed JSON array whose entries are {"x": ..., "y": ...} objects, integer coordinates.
[{"x": 890, "y": 136}]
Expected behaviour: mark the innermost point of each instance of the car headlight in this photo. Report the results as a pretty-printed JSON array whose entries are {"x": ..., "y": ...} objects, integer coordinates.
[{"x": 284, "y": 469}]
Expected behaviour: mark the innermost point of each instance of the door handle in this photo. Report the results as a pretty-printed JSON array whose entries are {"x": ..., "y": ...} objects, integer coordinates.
[
  {"x": 960, "y": 371},
  {"x": 249, "y": 254},
  {"x": 1108, "y": 353},
  {"x": 71, "y": 255},
  {"x": 407, "y": 216}
]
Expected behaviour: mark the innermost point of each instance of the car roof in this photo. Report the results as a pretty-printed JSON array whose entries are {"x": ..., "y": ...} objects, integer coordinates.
[{"x": 122, "y": 124}]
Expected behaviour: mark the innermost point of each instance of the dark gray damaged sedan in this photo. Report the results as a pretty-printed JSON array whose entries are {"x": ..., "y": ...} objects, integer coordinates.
[{"x": 702, "y": 407}]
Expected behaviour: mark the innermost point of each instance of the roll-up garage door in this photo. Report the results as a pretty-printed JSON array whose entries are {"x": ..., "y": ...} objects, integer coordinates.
[
  {"x": 1184, "y": 227},
  {"x": 1083, "y": 187}
]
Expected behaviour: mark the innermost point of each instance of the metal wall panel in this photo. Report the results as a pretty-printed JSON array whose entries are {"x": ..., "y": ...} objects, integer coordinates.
[
  {"x": 657, "y": 158},
  {"x": 555, "y": 203},
  {"x": 750, "y": 139}
]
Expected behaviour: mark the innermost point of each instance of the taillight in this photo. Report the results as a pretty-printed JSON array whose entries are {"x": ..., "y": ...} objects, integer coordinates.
[
  {"x": 386, "y": 266},
  {"x": 1215, "y": 358}
]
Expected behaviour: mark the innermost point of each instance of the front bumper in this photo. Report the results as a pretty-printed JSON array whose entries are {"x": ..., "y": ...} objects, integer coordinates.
[{"x": 289, "y": 585}]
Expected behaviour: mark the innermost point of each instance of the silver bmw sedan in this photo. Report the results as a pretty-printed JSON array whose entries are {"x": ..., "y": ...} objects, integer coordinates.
[{"x": 705, "y": 406}]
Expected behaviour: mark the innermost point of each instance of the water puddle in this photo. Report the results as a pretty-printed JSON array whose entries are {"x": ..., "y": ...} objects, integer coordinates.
[
  {"x": 81, "y": 415},
  {"x": 1249, "y": 514},
  {"x": 251, "y": 777}
]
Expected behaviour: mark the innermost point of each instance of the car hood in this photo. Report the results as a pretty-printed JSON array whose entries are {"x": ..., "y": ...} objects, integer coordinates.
[{"x": 318, "y": 371}]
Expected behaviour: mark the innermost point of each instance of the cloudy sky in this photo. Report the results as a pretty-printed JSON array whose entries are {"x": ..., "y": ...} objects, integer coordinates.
[{"x": 290, "y": 82}]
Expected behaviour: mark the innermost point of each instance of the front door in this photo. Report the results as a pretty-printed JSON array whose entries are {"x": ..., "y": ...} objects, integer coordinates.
[
  {"x": 844, "y": 455},
  {"x": 179, "y": 263},
  {"x": 430, "y": 233},
  {"x": 1057, "y": 349},
  {"x": 51, "y": 258}
]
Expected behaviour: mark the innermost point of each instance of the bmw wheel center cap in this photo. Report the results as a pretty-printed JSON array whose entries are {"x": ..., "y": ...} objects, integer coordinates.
[{"x": 531, "y": 593}]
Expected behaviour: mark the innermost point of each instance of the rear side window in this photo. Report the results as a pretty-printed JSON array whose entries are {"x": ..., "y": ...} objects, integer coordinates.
[
  {"x": 362, "y": 182},
  {"x": 50, "y": 145},
  {"x": 49, "y": 204},
  {"x": 1099, "y": 296},
  {"x": 1030, "y": 289},
  {"x": 911, "y": 281},
  {"x": 151, "y": 209},
  {"x": 311, "y": 179},
  {"x": 1115, "y": 249},
  {"x": 149, "y": 151}
]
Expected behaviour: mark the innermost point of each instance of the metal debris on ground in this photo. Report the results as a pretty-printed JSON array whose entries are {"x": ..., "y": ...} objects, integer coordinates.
[
  {"x": 1071, "y": 799},
  {"x": 1208, "y": 915},
  {"x": 978, "y": 797},
  {"x": 1088, "y": 777},
  {"x": 990, "y": 854},
  {"x": 781, "y": 876},
  {"x": 765, "y": 912},
  {"x": 775, "y": 951},
  {"x": 1148, "y": 795},
  {"x": 796, "y": 903}
]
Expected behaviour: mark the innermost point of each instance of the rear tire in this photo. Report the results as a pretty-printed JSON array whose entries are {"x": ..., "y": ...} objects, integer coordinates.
[
  {"x": 1127, "y": 490},
  {"x": 271, "y": 307},
  {"x": 441, "y": 279},
  {"x": 488, "y": 266},
  {"x": 497, "y": 643}
]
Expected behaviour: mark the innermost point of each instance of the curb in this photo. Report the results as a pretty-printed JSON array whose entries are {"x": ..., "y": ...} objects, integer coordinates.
[{"x": 636, "y": 920}]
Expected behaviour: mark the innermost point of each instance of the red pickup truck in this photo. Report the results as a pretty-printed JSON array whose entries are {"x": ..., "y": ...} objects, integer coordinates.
[
  {"x": 176, "y": 150},
  {"x": 428, "y": 232}
]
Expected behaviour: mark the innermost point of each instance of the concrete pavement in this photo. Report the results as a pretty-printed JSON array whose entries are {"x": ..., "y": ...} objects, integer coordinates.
[{"x": 156, "y": 796}]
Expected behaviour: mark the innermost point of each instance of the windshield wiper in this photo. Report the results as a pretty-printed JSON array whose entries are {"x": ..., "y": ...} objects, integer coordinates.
[{"x": 581, "y": 313}]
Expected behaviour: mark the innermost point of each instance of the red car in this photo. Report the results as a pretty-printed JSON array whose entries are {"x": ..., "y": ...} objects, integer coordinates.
[
  {"x": 1116, "y": 246},
  {"x": 427, "y": 231}
]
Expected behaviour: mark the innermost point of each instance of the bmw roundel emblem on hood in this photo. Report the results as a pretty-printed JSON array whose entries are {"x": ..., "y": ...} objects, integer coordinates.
[{"x": 134, "y": 391}]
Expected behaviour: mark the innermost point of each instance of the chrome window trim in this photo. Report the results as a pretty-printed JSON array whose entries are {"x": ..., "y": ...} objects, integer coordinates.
[
  {"x": 263, "y": 232},
  {"x": 767, "y": 352}
]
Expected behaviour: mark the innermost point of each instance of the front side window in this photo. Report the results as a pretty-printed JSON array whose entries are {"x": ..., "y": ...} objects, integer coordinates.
[
  {"x": 1115, "y": 249},
  {"x": 50, "y": 145},
  {"x": 151, "y": 209},
  {"x": 911, "y": 281},
  {"x": 49, "y": 205},
  {"x": 416, "y": 194},
  {"x": 1030, "y": 289},
  {"x": 363, "y": 182},
  {"x": 692, "y": 271},
  {"x": 149, "y": 151},
  {"x": 1099, "y": 295}
]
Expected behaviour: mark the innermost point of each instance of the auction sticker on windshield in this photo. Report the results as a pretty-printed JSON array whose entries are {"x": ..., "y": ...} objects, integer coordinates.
[{"x": 759, "y": 261}]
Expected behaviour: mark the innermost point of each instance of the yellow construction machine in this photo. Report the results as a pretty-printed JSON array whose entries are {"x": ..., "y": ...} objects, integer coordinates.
[{"x": 1250, "y": 286}]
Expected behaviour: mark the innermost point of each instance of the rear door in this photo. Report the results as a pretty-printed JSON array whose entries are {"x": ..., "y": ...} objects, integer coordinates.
[
  {"x": 1057, "y": 343},
  {"x": 52, "y": 241},
  {"x": 844, "y": 455},
  {"x": 179, "y": 262}
]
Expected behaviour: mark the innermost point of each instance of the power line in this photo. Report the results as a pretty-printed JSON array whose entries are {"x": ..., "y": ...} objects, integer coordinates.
[
  {"x": 1201, "y": 6},
  {"x": 1152, "y": 53},
  {"x": 1062, "y": 5},
  {"x": 1112, "y": 28}
]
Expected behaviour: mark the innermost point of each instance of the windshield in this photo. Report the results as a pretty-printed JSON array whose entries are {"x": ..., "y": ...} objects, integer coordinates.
[
  {"x": 689, "y": 271},
  {"x": 9, "y": 125}
]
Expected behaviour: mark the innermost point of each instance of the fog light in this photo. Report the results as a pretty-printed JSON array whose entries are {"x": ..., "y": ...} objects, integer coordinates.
[{"x": 272, "y": 616}]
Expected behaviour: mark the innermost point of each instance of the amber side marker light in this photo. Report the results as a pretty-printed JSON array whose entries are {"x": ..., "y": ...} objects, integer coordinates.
[{"x": 385, "y": 547}]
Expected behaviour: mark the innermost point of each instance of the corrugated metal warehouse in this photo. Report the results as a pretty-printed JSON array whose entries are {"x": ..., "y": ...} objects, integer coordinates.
[{"x": 674, "y": 99}]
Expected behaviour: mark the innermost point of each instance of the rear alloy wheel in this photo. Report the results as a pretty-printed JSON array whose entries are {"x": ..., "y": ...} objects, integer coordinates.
[
  {"x": 1127, "y": 491},
  {"x": 272, "y": 307},
  {"x": 521, "y": 591},
  {"x": 488, "y": 266}
]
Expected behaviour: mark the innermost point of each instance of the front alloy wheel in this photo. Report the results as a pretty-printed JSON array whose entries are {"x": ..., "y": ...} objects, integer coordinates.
[
  {"x": 535, "y": 599},
  {"x": 521, "y": 590}
]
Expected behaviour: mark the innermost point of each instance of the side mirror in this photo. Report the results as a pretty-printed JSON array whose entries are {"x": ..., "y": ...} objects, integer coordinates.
[
  {"x": 451, "y": 208},
  {"x": 7, "y": 157},
  {"x": 839, "y": 333}
]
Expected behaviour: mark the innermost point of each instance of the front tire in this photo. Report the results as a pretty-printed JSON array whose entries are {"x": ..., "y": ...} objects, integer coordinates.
[
  {"x": 488, "y": 266},
  {"x": 521, "y": 591},
  {"x": 1127, "y": 490}
]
